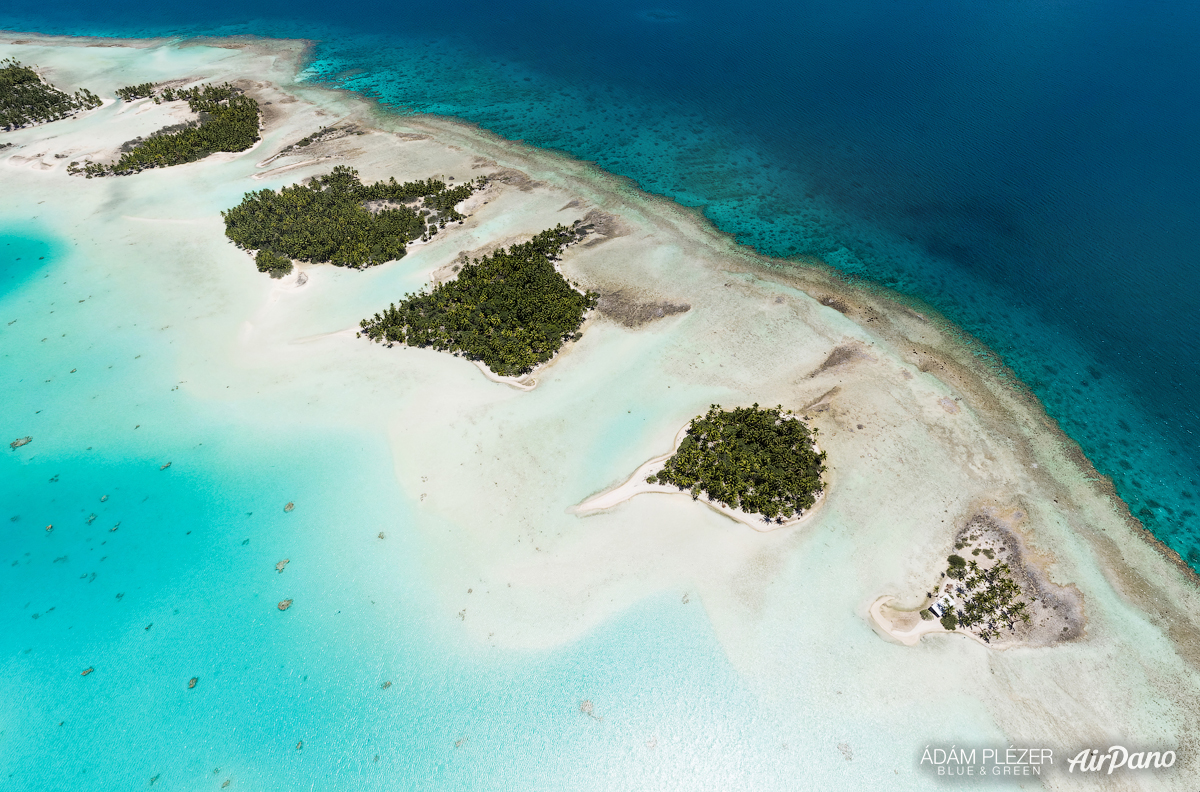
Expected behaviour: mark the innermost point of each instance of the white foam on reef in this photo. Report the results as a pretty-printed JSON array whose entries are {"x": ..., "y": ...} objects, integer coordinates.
[{"x": 535, "y": 607}]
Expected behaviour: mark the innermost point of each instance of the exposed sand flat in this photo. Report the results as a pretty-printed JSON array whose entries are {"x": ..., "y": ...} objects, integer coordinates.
[
  {"x": 919, "y": 425},
  {"x": 904, "y": 626}
]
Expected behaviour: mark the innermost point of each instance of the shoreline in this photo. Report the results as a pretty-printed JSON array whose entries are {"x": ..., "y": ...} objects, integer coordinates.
[
  {"x": 920, "y": 423},
  {"x": 973, "y": 363},
  {"x": 886, "y": 628},
  {"x": 969, "y": 355},
  {"x": 636, "y": 485}
]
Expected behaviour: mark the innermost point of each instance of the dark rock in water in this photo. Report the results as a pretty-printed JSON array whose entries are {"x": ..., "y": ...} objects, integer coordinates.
[
  {"x": 287, "y": 603},
  {"x": 20, "y": 441},
  {"x": 87, "y": 671},
  {"x": 192, "y": 682},
  {"x": 289, "y": 507}
]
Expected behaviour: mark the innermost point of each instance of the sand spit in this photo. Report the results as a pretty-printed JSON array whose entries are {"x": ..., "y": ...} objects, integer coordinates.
[
  {"x": 921, "y": 425},
  {"x": 637, "y": 485}
]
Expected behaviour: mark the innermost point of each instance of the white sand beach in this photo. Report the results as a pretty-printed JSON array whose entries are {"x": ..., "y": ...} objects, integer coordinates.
[
  {"x": 922, "y": 430},
  {"x": 638, "y": 485}
]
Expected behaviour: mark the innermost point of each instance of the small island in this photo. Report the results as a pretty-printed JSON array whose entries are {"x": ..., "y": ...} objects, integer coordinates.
[
  {"x": 27, "y": 99},
  {"x": 757, "y": 465},
  {"x": 995, "y": 597},
  {"x": 337, "y": 219},
  {"x": 510, "y": 311},
  {"x": 228, "y": 120}
]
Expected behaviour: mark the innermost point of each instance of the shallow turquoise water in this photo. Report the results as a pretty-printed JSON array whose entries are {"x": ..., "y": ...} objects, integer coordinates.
[
  {"x": 22, "y": 256},
  {"x": 153, "y": 575},
  {"x": 1028, "y": 169},
  {"x": 1071, "y": 271}
]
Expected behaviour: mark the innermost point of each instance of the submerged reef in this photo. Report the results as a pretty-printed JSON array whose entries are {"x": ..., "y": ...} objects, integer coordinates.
[
  {"x": 339, "y": 220},
  {"x": 762, "y": 461},
  {"x": 27, "y": 99},
  {"x": 510, "y": 310}
]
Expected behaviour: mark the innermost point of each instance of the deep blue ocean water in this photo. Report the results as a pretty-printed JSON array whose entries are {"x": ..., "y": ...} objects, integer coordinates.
[{"x": 1027, "y": 167}]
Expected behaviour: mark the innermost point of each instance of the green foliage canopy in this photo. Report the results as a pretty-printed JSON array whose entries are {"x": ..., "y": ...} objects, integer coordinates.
[
  {"x": 228, "y": 122},
  {"x": 761, "y": 461},
  {"x": 327, "y": 220},
  {"x": 990, "y": 598},
  {"x": 273, "y": 264},
  {"x": 26, "y": 99},
  {"x": 511, "y": 310},
  {"x": 132, "y": 92}
]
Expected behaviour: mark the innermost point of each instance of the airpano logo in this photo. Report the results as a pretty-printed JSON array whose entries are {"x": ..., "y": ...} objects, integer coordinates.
[
  {"x": 955, "y": 764},
  {"x": 1090, "y": 760}
]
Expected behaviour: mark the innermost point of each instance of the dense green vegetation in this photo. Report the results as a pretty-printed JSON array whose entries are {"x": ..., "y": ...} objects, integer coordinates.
[
  {"x": 511, "y": 310},
  {"x": 761, "y": 461},
  {"x": 989, "y": 599},
  {"x": 328, "y": 219},
  {"x": 140, "y": 91},
  {"x": 273, "y": 264},
  {"x": 25, "y": 98},
  {"x": 228, "y": 122}
]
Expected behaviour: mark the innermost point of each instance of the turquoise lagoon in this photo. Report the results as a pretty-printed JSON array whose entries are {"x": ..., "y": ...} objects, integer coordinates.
[
  {"x": 295, "y": 699},
  {"x": 186, "y": 587},
  {"x": 1027, "y": 169}
]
